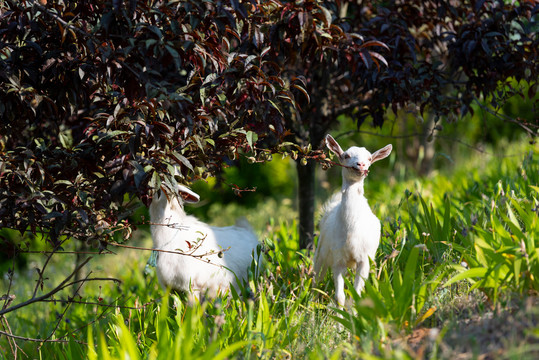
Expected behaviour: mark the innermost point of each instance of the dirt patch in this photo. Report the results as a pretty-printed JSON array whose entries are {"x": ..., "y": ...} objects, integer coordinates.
[{"x": 511, "y": 332}]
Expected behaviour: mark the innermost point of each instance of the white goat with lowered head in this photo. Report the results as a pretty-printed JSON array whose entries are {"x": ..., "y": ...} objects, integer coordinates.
[
  {"x": 212, "y": 258},
  {"x": 349, "y": 231}
]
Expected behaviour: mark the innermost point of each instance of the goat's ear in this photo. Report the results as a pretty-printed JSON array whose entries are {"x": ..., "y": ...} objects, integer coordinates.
[
  {"x": 382, "y": 153},
  {"x": 188, "y": 195},
  {"x": 333, "y": 145},
  {"x": 158, "y": 195}
]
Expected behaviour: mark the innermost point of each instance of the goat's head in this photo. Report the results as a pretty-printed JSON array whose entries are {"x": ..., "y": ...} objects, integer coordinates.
[
  {"x": 161, "y": 200},
  {"x": 356, "y": 160}
]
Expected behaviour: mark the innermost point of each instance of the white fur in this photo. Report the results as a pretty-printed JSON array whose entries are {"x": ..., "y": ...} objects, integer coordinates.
[
  {"x": 211, "y": 256},
  {"x": 349, "y": 231}
]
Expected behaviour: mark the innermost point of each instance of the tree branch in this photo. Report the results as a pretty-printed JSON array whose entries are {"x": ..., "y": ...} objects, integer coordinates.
[
  {"x": 65, "y": 310},
  {"x": 40, "y": 340},
  {"x": 107, "y": 308},
  {"x": 12, "y": 343},
  {"x": 198, "y": 256},
  {"x": 40, "y": 280},
  {"x": 34, "y": 299},
  {"x": 509, "y": 119},
  {"x": 90, "y": 36},
  {"x": 98, "y": 304},
  {"x": 437, "y": 136}
]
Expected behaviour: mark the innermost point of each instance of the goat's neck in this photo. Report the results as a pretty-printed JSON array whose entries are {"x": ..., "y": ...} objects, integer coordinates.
[
  {"x": 353, "y": 206},
  {"x": 352, "y": 187},
  {"x": 166, "y": 220},
  {"x": 352, "y": 198}
]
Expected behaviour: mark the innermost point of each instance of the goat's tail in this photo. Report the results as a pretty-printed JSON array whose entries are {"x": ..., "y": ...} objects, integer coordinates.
[{"x": 242, "y": 222}]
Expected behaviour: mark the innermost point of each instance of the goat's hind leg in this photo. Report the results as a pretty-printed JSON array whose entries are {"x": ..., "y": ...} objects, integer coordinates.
[
  {"x": 319, "y": 273},
  {"x": 320, "y": 266},
  {"x": 338, "y": 278}
]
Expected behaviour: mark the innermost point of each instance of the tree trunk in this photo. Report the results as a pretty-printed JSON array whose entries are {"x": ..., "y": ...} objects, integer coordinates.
[
  {"x": 306, "y": 199},
  {"x": 427, "y": 142},
  {"x": 80, "y": 247}
]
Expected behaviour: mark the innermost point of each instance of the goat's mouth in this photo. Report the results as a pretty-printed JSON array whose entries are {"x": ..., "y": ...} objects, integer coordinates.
[{"x": 360, "y": 172}]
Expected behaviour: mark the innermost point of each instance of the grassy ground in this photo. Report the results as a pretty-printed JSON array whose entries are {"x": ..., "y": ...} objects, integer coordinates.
[{"x": 456, "y": 277}]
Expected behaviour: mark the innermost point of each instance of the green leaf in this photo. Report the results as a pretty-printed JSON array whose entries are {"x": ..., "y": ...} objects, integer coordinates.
[
  {"x": 110, "y": 134},
  {"x": 139, "y": 173},
  {"x": 149, "y": 43},
  {"x": 91, "y": 353},
  {"x": 513, "y": 218},
  {"x": 180, "y": 159},
  {"x": 467, "y": 275},
  {"x": 128, "y": 348},
  {"x": 300, "y": 88},
  {"x": 276, "y": 107},
  {"x": 251, "y": 138},
  {"x": 155, "y": 181},
  {"x": 327, "y": 15},
  {"x": 63, "y": 182},
  {"x": 230, "y": 349},
  {"x": 156, "y": 31},
  {"x": 175, "y": 55},
  {"x": 66, "y": 139}
]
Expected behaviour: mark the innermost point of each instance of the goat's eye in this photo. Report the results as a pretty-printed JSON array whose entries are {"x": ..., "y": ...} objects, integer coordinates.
[
  {"x": 370, "y": 159},
  {"x": 346, "y": 156}
]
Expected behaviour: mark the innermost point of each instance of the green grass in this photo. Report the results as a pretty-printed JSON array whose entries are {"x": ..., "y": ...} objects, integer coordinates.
[{"x": 456, "y": 275}]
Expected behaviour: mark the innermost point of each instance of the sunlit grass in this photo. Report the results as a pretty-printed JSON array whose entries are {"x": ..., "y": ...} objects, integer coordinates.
[{"x": 433, "y": 230}]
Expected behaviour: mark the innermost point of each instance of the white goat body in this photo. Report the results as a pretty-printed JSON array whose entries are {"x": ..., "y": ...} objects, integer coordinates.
[
  {"x": 212, "y": 259},
  {"x": 349, "y": 231}
]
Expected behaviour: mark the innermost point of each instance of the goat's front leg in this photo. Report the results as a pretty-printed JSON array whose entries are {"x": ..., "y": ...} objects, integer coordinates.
[
  {"x": 361, "y": 275},
  {"x": 338, "y": 278}
]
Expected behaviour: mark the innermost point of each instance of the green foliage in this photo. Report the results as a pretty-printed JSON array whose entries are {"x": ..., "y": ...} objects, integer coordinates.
[
  {"x": 261, "y": 325},
  {"x": 449, "y": 236},
  {"x": 409, "y": 276},
  {"x": 502, "y": 253},
  {"x": 248, "y": 184},
  {"x": 495, "y": 237},
  {"x": 104, "y": 103},
  {"x": 187, "y": 333}
]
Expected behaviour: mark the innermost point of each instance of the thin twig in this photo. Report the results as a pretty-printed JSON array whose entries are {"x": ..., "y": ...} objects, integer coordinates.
[
  {"x": 436, "y": 136},
  {"x": 97, "y": 303},
  {"x": 40, "y": 340},
  {"x": 92, "y": 279},
  {"x": 65, "y": 310},
  {"x": 404, "y": 136},
  {"x": 12, "y": 343},
  {"x": 41, "y": 280},
  {"x": 97, "y": 42},
  {"x": 9, "y": 299},
  {"x": 199, "y": 256},
  {"x": 65, "y": 23},
  {"x": 504, "y": 117},
  {"x": 44, "y": 252},
  {"x": 107, "y": 308},
  {"x": 34, "y": 299}
]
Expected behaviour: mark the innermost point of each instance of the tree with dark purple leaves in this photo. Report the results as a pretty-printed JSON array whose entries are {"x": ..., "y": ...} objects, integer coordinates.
[{"x": 105, "y": 101}]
